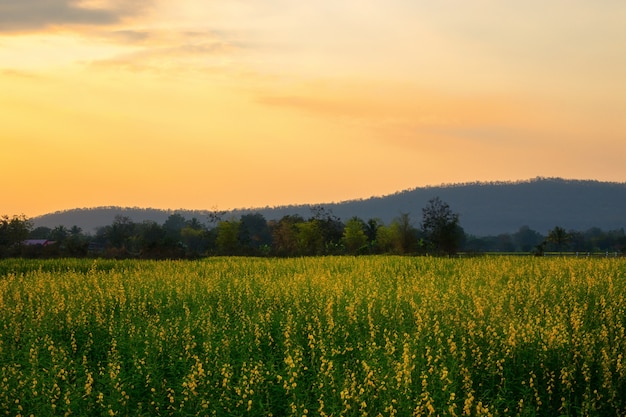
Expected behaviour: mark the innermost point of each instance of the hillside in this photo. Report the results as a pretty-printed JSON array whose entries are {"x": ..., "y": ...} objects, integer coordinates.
[{"x": 484, "y": 208}]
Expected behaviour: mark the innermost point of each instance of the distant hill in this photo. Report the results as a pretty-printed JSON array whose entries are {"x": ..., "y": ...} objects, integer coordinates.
[{"x": 485, "y": 208}]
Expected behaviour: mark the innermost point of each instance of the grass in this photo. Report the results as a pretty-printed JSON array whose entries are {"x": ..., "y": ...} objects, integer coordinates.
[{"x": 341, "y": 336}]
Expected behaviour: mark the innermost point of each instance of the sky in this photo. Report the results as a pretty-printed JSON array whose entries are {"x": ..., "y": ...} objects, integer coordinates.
[{"x": 221, "y": 104}]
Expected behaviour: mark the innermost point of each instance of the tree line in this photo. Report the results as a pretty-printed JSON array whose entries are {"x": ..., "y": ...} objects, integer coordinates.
[
  {"x": 322, "y": 233},
  {"x": 558, "y": 240}
]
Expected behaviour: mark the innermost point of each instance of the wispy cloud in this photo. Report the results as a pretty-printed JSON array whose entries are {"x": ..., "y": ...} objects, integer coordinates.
[
  {"x": 7, "y": 72},
  {"x": 37, "y": 15},
  {"x": 120, "y": 34},
  {"x": 127, "y": 36},
  {"x": 160, "y": 49}
]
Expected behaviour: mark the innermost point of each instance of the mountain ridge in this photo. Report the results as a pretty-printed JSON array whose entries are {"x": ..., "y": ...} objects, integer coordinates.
[{"x": 485, "y": 208}]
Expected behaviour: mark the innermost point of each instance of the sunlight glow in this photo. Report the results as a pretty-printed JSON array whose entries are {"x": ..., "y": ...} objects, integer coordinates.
[{"x": 237, "y": 104}]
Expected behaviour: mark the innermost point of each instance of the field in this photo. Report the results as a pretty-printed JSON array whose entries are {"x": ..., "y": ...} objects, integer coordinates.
[{"x": 340, "y": 336}]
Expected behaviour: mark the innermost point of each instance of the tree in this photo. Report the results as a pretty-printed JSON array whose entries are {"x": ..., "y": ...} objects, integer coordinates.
[
  {"x": 559, "y": 237},
  {"x": 172, "y": 226},
  {"x": 194, "y": 224},
  {"x": 59, "y": 234},
  {"x": 215, "y": 216},
  {"x": 195, "y": 238},
  {"x": 254, "y": 233},
  {"x": 120, "y": 232},
  {"x": 354, "y": 237},
  {"x": 310, "y": 238},
  {"x": 284, "y": 235},
  {"x": 13, "y": 231},
  {"x": 227, "y": 239},
  {"x": 400, "y": 237},
  {"x": 578, "y": 243},
  {"x": 505, "y": 242},
  {"x": 406, "y": 233},
  {"x": 76, "y": 243},
  {"x": 151, "y": 239},
  {"x": 441, "y": 227},
  {"x": 388, "y": 238},
  {"x": 41, "y": 232},
  {"x": 194, "y": 241},
  {"x": 526, "y": 239},
  {"x": 371, "y": 229},
  {"x": 330, "y": 228}
]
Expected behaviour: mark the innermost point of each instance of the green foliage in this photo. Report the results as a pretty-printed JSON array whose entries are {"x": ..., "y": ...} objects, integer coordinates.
[
  {"x": 322, "y": 234},
  {"x": 399, "y": 238},
  {"x": 284, "y": 235},
  {"x": 193, "y": 240},
  {"x": 407, "y": 234},
  {"x": 354, "y": 237},
  {"x": 388, "y": 239},
  {"x": 309, "y": 238},
  {"x": 227, "y": 239}
]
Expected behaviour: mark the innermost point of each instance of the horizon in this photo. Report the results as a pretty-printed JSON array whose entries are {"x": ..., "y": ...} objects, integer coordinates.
[
  {"x": 313, "y": 204},
  {"x": 233, "y": 104}
]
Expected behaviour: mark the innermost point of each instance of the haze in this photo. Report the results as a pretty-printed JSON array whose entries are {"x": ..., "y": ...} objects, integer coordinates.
[{"x": 227, "y": 104}]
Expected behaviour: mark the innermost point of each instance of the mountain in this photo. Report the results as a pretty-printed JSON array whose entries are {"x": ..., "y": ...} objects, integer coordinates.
[{"x": 484, "y": 208}]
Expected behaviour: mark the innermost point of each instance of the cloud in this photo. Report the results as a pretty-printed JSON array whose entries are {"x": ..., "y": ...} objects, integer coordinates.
[
  {"x": 8, "y": 72},
  {"x": 345, "y": 99},
  {"x": 36, "y": 15},
  {"x": 163, "y": 38},
  {"x": 372, "y": 105},
  {"x": 128, "y": 36},
  {"x": 162, "y": 50}
]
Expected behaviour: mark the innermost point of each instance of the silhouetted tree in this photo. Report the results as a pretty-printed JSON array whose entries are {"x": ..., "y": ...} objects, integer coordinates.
[
  {"x": 13, "y": 231},
  {"x": 172, "y": 226},
  {"x": 559, "y": 237},
  {"x": 477, "y": 244},
  {"x": 407, "y": 234},
  {"x": 215, "y": 216},
  {"x": 505, "y": 243},
  {"x": 41, "y": 232},
  {"x": 441, "y": 227},
  {"x": 579, "y": 243},
  {"x": 330, "y": 227},
  {"x": 119, "y": 234},
  {"x": 540, "y": 249},
  {"x": 151, "y": 238},
  {"x": 526, "y": 239},
  {"x": 76, "y": 243},
  {"x": 371, "y": 229},
  {"x": 254, "y": 234},
  {"x": 194, "y": 224},
  {"x": 59, "y": 234}
]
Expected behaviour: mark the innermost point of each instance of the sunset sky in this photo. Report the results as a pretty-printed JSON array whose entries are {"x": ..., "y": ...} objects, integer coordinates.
[{"x": 219, "y": 104}]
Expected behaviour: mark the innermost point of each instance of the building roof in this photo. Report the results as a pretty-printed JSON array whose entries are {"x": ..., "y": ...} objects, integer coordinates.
[{"x": 35, "y": 242}]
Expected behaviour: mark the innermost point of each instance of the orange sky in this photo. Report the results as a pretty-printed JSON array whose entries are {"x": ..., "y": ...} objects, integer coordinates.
[{"x": 226, "y": 104}]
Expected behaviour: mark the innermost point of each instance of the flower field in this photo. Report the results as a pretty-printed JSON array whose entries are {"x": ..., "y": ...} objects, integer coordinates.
[{"x": 340, "y": 336}]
